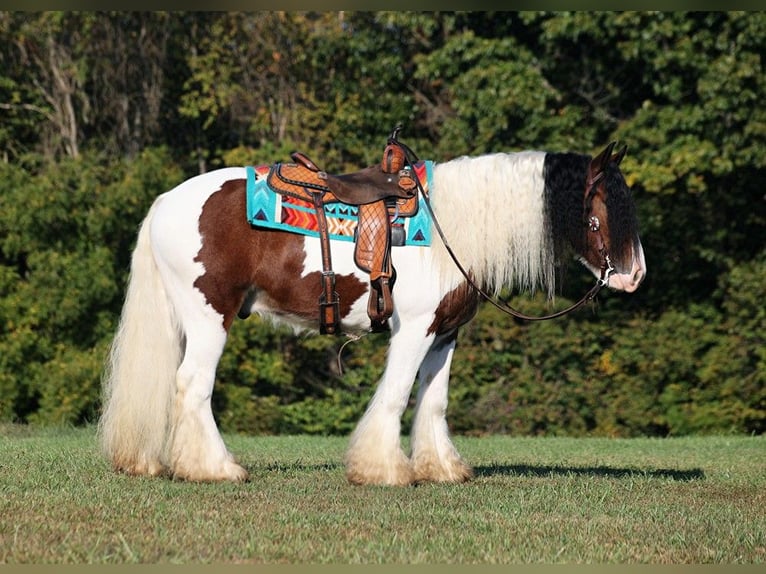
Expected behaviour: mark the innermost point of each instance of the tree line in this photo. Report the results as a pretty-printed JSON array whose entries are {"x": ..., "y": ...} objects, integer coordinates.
[{"x": 103, "y": 111}]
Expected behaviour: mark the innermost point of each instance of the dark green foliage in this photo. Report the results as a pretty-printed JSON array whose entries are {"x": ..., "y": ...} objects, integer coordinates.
[
  {"x": 103, "y": 111},
  {"x": 66, "y": 234}
]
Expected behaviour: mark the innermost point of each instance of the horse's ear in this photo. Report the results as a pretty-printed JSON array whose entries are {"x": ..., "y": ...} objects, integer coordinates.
[
  {"x": 620, "y": 154},
  {"x": 599, "y": 163}
]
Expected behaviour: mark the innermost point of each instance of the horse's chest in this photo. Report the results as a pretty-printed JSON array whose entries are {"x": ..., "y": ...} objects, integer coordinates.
[{"x": 455, "y": 309}]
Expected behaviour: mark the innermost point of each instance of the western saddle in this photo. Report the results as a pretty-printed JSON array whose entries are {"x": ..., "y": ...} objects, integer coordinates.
[{"x": 381, "y": 193}]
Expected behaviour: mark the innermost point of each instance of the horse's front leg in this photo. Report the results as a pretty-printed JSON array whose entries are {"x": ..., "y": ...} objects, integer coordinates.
[
  {"x": 434, "y": 457},
  {"x": 375, "y": 455}
]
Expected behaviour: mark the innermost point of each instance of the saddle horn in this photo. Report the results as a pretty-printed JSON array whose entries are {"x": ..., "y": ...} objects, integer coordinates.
[
  {"x": 395, "y": 134},
  {"x": 393, "y": 140}
]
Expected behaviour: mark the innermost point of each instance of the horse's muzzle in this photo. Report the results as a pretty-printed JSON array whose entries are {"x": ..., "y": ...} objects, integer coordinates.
[{"x": 631, "y": 280}]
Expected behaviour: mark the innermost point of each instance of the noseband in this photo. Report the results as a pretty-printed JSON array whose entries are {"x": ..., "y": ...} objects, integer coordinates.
[
  {"x": 592, "y": 222},
  {"x": 594, "y": 226}
]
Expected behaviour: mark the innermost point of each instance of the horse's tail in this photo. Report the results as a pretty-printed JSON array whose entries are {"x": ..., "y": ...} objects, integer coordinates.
[{"x": 139, "y": 378}]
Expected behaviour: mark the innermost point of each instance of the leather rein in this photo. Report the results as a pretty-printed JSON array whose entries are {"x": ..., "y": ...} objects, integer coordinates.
[{"x": 593, "y": 224}]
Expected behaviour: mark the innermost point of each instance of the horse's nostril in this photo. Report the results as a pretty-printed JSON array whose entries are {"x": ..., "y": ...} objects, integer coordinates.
[{"x": 638, "y": 276}]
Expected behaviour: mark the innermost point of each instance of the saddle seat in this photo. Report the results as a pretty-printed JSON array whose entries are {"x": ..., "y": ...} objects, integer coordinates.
[
  {"x": 303, "y": 178},
  {"x": 381, "y": 193}
]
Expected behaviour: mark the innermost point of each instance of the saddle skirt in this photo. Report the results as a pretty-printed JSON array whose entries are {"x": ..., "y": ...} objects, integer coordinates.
[{"x": 410, "y": 220}]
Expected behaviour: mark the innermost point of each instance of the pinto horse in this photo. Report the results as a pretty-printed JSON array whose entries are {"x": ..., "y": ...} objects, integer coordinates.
[{"x": 508, "y": 218}]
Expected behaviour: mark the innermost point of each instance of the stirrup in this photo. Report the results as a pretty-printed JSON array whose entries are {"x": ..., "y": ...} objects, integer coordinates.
[{"x": 380, "y": 305}]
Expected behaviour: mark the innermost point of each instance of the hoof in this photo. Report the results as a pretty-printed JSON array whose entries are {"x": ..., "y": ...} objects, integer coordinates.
[
  {"x": 365, "y": 472},
  {"x": 454, "y": 471},
  {"x": 228, "y": 471},
  {"x": 143, "y": 468}
]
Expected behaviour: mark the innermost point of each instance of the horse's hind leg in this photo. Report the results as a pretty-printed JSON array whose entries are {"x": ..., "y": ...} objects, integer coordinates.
[
  {"x": 197, "y": 450},
  {"x": 434, "y": 457}
]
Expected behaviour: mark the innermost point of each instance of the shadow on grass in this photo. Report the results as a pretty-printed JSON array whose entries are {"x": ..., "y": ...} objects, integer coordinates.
[
  {"x": 541, "y": 471},
  {"x": 601, "y": 471},
  {"x": 288, "y": 467}
]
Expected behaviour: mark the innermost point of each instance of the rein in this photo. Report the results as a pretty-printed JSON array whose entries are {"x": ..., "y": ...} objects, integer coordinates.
[{"x": 593, "y": 223}]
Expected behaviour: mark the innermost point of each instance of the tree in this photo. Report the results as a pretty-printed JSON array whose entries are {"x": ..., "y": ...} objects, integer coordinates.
[{"x": 46, "y": 49}]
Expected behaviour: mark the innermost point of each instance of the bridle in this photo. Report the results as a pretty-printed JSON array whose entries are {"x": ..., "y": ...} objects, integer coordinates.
[{"x": 591, "y": 221}]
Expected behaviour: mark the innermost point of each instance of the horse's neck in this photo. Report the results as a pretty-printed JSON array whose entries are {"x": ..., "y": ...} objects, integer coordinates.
[{"x": 491, "y": 209}]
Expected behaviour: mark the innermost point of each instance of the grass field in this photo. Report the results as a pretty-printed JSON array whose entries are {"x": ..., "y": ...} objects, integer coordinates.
[{"x": 534, "y": 500}]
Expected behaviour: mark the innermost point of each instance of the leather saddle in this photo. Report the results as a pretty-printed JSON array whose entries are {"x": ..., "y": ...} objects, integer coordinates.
[
  {"x": 303, "y": 179},
  {"x": 381, "y": 193}
]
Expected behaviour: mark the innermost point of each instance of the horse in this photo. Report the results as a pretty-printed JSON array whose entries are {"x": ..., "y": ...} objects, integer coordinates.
[{"x": 508, "y": 221}]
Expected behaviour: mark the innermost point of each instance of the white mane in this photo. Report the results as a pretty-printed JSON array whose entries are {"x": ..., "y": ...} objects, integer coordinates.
[{"x": 491, "y": 209}]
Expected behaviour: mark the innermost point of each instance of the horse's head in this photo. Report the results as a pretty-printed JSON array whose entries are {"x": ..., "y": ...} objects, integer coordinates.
[{"x": 612, "y": 248}]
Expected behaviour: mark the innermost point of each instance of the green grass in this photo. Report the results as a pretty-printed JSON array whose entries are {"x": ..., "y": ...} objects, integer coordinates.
[{"x": 681, "y": 500}]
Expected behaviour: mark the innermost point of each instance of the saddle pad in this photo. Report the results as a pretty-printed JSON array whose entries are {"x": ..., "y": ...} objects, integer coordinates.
[{"x": 271, "y": 210}]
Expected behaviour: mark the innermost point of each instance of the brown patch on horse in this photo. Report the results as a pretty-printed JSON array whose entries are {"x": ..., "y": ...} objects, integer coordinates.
[
  {"x": 240, "y": 260},
  {"x": 455, "y": 309}
]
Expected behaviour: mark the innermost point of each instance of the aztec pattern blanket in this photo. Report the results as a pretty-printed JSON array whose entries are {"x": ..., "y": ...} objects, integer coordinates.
[{"x": 271, "y": 210}]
